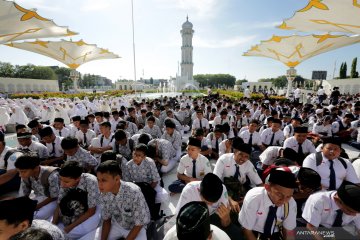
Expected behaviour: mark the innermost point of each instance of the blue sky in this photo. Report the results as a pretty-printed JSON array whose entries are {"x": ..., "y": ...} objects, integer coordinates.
[{"x": 224, "y": 30}]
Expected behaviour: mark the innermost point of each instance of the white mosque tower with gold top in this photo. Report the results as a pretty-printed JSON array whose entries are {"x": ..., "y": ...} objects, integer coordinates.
[{"x": 186, "y": 80}]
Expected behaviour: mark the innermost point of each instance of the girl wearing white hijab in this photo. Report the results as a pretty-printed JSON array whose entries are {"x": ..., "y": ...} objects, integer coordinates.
[
  {"x": 62, "y": 113},
  {"x": 18, "y": 116},
  {"x": 4, "y": 118}
]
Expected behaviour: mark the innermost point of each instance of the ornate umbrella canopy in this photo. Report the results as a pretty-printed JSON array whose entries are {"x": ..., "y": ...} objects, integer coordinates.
[
  {"x": 72, "y": 54},
  {"x": 292, "y": 50},
  {"x": 18, "y": 23},
  {"x": 326, "y": 16}
]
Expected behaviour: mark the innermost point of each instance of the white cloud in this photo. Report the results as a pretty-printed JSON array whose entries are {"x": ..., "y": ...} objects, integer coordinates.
[
  {"x": 202, "y": 8},
  {"x": 95, "y": 5},
  {"x": 255, "y": 25},
  {"x": 224, "y": 43}
]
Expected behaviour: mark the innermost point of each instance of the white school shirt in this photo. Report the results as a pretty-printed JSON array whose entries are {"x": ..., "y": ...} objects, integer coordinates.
[
  {"x": 269, "y": 155},
  {"x": 10, "y": 161},
  {"x": 255, "y": 209},
  {"x": 266, "y": 136},
  {"x": 90, "y": 135},
  {"x": 222, "y": 148},
  {"x": 324, "y": 170},
  {"x": 225, "y": 167},
  {"x": 307, "y": 145},
  {"x": 65, "y": 132},
  {"x": 202, "y": 166},
  {"x": 204, "y": 123},
  {"x": 39, "y": 148},
  {"x": 320, "y": 129},
  {"x": 288, "y": 131},
  {"x": 245, "y": 136},
  {"x": 320, "y": 209},
  {"x": 228, "y": 119},
  {"x": 191, "y": 193},
  {"x": 212, "y": 139},
  {"x": 59, "y": 152},
  {"x": 96, "y": 142}
]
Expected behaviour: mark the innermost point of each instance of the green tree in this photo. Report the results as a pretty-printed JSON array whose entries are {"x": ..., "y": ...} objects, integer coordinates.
[
  {"x": 63, "y": 76},
  {"x": 215, "y": 80},
  {"x": 40, "y": 72},
  {"x": 6, "y": 70},
  {"x": 345, "y": 70},
  {"x": 240, "y": 81},
  {"x": 24, "y": 71},
  {"x": 341, "y": 70},
  {"x": 280, "y": 81},
  {"x": 151, "y": 80},
  {"x": 354, "y": 73}
]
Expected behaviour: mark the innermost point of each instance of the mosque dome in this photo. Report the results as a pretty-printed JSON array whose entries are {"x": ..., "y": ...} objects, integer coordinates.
[{"x": 187, "y": 24}]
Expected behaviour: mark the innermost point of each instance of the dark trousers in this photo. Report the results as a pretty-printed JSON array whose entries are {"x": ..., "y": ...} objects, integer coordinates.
[
  {"x": 10, "y": 186},
  {"x": 233, "y": 231},
  {"x": 177, "y": 186}
]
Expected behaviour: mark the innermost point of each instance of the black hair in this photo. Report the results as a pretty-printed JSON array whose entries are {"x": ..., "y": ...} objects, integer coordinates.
[
  {"x": 71, "y": 169},
  {"x": 151, "y": 118},
  {"x": 18, "y": 210},
  {"x": 33, "y": 234},
  {"x": 120, "y": 135},
  {"x": 111, "y": 167},
  {"x": 27, "y": 161},
  {"x": 45, "y": 132},
  {"x": 106, "y": 114},
  {"x": 105, "y": 124},
  {"x": 108, "y": 155},
  {"x": 144, "y": 138},
  {"x": 141, "y": 148},
  {"x": 69, "y": 143},
  {"x": 149, "y": 114},
  {"x": 19, "y": 126},
  {"x": 151, "y": 151}
]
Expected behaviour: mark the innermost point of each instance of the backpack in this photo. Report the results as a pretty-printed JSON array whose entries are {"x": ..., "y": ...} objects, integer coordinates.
[
  {"x": 319, "y": 159},
  {"x": 73, "y": 205},
  {"x": 102, "y": 139},
  {"x": 44, "y": 179},
  {"x": 131, "y": 146},
  {"x": 11, "y": 152}
]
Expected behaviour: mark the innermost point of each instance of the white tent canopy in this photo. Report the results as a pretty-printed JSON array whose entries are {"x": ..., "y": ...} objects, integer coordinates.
[
  {"x": 18, "y": 23},
  {"x": 292, "y": 50},
  {"x": 326, "y": 16},
  {"x": 72, "y": 54}
]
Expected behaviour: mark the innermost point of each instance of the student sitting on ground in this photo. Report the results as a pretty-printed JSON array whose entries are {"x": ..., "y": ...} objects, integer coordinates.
[
  {"x": 211, "y": 191},
  {"x": 205, "y": 143},
  {"x": 192, "y": 167},
  {"x": 42, "y": 180},
  {"x": 334, "y": 209},
  {"x": 141, "y": 169},
  {"x": 173, "y": 136},
  {"x": 77, "y": 213},
  {"x": 275, "y": 203},
  {"x": 75, "y": 153},
  {"x": 53, "y": 144},
  {"x": 193, "y": 222},
  {"x": 216, "y": 138},
  {"x": 151, "y": 128},
  {"x": 16, "y": 216},
  {"x": 124, "y": 211}
]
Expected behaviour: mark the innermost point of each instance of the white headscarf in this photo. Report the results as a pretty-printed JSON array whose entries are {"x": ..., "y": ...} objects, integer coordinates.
[
  {"x": 18, "y": 117},
  {"x": 62, "y": 113},
  {"x": 4, "y": 117}
]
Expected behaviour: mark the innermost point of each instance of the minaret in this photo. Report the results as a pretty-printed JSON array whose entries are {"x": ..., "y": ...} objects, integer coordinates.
[{"x": 187, "y": 64}]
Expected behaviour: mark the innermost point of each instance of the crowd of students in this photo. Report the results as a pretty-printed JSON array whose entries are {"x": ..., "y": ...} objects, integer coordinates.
[{"x": 94, "y": 170}]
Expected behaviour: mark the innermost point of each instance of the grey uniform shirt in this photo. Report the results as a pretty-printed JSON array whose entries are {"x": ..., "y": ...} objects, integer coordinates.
[
  {"x": 155, "y": 132},
  {"x": 165, "y": 148},
  {"x": 128, "y": 207},
  {"x": 89, "y": 184},
  {"x": 145, "y": 172},
  {"x": 39, "y": 190},
  {"x": 53, "y": 230},
  {"x": 84, "y": 158},
  {"x": 175, "y": 139}
]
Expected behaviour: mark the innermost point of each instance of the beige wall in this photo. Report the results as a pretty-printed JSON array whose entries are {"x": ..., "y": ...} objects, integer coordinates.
[
  {"x": 349, "y": 85},
  {"x": 14, "y": 85}
]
